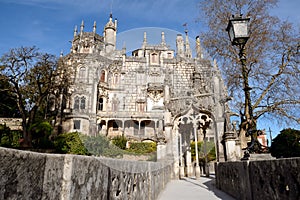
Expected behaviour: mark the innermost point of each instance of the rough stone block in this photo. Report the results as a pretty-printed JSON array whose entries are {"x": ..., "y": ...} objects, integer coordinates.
[{"x": 21, "y": 174}]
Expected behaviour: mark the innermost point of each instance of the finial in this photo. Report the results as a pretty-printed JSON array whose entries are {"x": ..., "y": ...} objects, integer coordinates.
[
  {"x": 198, "y": 47},
  {"x": 145, "y": 37},
  {"x": 163, "y": 41},
  {"x": 82, "y": 26},
  {"x": 61, "y": 53},
  {"x": 94, "y": 27},
  {"x": 75, "y": 30}
]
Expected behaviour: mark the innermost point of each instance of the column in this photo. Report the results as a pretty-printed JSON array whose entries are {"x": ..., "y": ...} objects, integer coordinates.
[{"x": 197, "y": 167}]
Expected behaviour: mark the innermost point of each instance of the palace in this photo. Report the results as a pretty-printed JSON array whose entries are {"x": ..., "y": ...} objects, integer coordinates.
[{"x": 157, "y": 93}]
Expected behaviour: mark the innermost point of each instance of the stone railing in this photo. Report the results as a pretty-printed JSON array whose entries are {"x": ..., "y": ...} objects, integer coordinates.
[
  {"x": 29, "y": 175},
  {"x": 264, "y": 179}
]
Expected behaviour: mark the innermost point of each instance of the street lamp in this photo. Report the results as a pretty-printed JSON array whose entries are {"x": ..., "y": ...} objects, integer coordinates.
[{"x": 238, "y": 31}]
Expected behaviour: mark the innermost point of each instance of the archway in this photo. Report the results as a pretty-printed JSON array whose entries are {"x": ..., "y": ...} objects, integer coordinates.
[{"x": 189, "y": 126}]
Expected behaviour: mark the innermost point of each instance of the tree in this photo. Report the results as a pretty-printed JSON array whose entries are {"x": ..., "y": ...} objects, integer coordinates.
[
  {"x": 31, "y": 76},
  {"x": 8, "y": 105},
  {"x": 272, "y": 66},
  {"x": 286, "y": 144}
]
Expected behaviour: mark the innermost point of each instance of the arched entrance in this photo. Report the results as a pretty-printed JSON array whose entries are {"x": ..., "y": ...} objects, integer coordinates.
[{"x": 190, "y": 126}]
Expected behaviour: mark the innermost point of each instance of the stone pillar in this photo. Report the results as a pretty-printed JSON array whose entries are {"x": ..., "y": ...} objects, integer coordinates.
[
  {"x": 181, "y": 167},
  {"x": 189, "y": 166},
  {"x": 161, "y": 148},
  {"x": 168, "y": 135},
  {"x": 197, "y": 167},
  {"x": 230, "y": 145}
]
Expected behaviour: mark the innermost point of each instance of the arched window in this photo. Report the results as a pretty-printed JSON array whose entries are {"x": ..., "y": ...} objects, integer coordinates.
[
  {"x": 115, "y": 78},
  {"x": 76, "y": 103},
  {"x": 82, "y": 103},
  {"x": 102, "y": 76},
  {"x": 79, "y": 103},
  {"x": 115, "y": 103},
  {"x": 154, "y": 58},
  {"x": 82, "y": 72},
  {"x": 100, "y": 104}
]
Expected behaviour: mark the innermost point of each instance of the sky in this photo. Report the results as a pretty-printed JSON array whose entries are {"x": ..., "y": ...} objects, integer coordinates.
[{"x": 49, "y": 24}]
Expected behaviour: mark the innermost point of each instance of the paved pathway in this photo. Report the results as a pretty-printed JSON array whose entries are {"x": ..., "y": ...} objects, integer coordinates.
[{"x": 189, "y": 188}]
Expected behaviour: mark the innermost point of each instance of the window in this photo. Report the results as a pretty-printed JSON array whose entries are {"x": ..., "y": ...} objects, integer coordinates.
[
  {"x": 76, "y": 125},
  {"x": 141, "y": 107},
  {"x": 82, "y": 103},
  {"x": 82, "y": 72},
  {"x": 79, "y": 103},
  {"x": 76, "y": 103},
  {"x": 115, "y": 79},
  {"x": 102, "y": 77},
  {"x": 154, "y": 58},
  {"x": 115, "y": 103},
  {"x": 100, "y": 104}
]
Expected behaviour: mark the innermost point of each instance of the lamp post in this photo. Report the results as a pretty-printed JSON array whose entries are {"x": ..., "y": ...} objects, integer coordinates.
[{"x": 238, "y": 31}]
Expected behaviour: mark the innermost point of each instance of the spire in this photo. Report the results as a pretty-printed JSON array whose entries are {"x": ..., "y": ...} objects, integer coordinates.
[
  {"x": 180, "y": 45},
  {"x": 81, "y": 27},
  {"x": 110, "y": 23},
  {"x": 94, "y": 27},
  {"x": 75, "y": 31},
  {"x": 145, "y": 39},
  {"x": 188, "y": 51},
  {"x": 163, "y": 41},
  {"x": 198, "y": 47}
]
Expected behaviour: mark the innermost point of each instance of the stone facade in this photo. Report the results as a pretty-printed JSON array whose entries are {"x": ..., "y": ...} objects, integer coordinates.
[{"x": 156, "y": 94}]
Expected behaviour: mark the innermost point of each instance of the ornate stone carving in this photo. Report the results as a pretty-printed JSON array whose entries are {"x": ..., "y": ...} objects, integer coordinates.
[{"x": 155, "y": 92}]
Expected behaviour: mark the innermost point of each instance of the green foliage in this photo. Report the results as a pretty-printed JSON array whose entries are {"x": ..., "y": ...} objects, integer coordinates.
[
  {"x": 210, "y": 146},
  {"x": 286, "y": 144},
  {"x": 70, "y": 143},
  {"x": 9, "y": 138},
  {"x": 120, "y": 141},
  {"x": 76, "y": 143},
  {"x": 142, "y": 147},
  {"x": 41, "y": 133},
  {"x": 101, "y": 146},
  {"x": 212, "y": 154}
]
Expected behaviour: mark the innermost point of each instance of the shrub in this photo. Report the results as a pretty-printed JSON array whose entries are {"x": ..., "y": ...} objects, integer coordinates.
[
  {"x": 142, "y": 147},
  {"x": 100, "y": 146},
  {"x": 9, "y": 138},
  {"x": 41, "y": 133},
  {"x": 120, "y": 141},
  {"x": 70, "y": 143}
]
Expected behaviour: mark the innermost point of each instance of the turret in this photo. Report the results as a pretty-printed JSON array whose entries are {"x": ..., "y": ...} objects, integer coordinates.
[
  {"x": 180, "y": 45},
  {"x": 110, "y": 32},
  {"x": 188, "y": 51}
]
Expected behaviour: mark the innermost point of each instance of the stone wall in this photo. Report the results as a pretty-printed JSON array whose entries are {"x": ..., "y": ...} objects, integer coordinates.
[
  {"x": 28, "y": 175},
  {"x": 265, "y": 179}
]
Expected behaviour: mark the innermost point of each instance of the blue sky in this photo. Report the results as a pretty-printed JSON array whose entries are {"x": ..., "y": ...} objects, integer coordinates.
[{"x": 49, "y": 24}]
